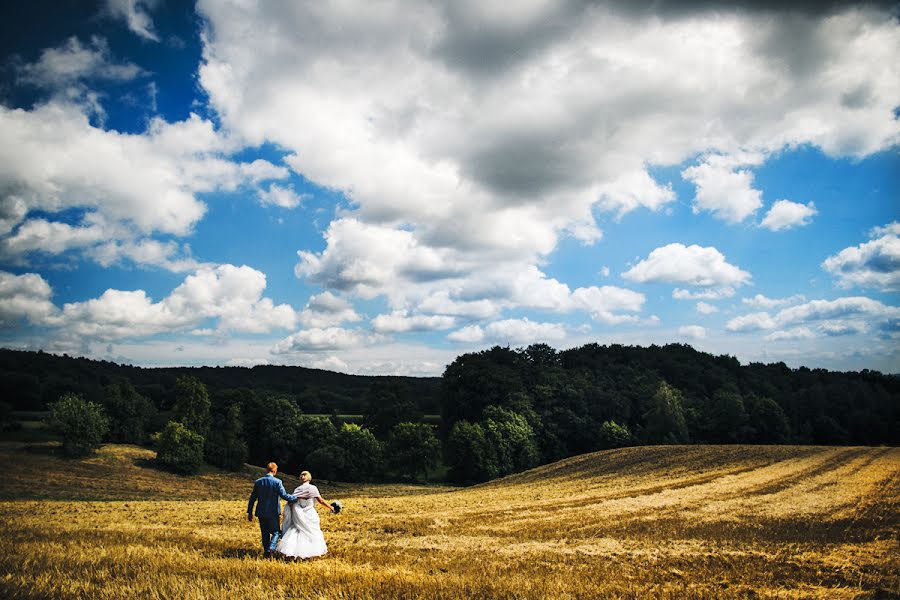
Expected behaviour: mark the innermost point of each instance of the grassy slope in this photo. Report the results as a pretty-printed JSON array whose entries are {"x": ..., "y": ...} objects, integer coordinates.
[{"x": 715, "y": 521}]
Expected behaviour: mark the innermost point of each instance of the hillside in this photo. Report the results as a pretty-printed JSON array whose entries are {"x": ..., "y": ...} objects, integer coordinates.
[{"x": 663, "y": 521}]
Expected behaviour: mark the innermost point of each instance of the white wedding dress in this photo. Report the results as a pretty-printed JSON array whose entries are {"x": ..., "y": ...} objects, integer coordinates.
[{"x": 301, "y": 533}]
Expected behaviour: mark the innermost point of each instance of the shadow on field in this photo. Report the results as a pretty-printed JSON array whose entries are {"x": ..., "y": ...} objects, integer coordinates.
[{"x": 241, "y": 553}]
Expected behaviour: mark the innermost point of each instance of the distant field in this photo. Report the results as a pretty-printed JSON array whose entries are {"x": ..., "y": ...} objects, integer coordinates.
[{"x": 664, "y": 521}]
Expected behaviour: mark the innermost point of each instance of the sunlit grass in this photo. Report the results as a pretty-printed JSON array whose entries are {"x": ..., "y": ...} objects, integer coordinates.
[{"x": 692, "y": 521}]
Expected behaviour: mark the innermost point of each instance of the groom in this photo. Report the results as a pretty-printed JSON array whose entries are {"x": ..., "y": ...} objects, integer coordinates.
[{"x": 268, "y": 490}]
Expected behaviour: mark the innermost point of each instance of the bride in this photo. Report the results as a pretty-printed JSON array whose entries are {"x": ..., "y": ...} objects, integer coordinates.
[{"x": 302, "y": 537}]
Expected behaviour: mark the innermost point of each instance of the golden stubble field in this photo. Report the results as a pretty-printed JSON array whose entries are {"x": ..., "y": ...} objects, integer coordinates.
[{"x": 664, "y": 521}]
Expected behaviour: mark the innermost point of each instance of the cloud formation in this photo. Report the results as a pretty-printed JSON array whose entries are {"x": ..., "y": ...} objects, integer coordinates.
[
  {"x": 687, "y": 265},
  {"x": 874, "y": 264}
]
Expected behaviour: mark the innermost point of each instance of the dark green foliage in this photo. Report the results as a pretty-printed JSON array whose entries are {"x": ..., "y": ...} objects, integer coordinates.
[
  {"x": 412, "y": 449},
  {"x": 364, "y": 454},
  {"x": 469, "y": 455},
  {"x": 276, "y": 436},
  {"x": 613, "y": 435},
  {"x": 6, "y": 417},
  {"x": 767, "y": 422},
  {"x": 179, "y": 449},
  {"x": 327, "y": 462},
  {"x": 727, "y": 417},
  {"x": 388, "y": 403},
  {"x": 130, "y": 414},
  {"x": 512, "y": 438},
  {"x": 474, "y": 381},
  {"x": 80, "y": 423},
  {"x": 664, "y": 420},
  {"x": 192, "y": 404},
  {"x": 312, "y": 432},
  {"x": 225, "y": 446}
]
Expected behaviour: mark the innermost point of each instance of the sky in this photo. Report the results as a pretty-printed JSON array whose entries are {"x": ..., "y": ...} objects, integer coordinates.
[{"x": 379, "y": 187}]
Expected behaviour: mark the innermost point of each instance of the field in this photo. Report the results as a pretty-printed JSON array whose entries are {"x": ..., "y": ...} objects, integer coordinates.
[{"x": 665, "y": 521}]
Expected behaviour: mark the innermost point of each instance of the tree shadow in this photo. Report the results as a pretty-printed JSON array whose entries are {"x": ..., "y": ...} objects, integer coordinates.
[{"x": 242, "y": 553}]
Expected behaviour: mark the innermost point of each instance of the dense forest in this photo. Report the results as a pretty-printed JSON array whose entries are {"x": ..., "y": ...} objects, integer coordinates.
[{"x": 502, "y": 410}]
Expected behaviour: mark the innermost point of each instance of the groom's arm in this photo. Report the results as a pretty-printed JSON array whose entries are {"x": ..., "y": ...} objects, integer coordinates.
[
  {"x": 253, "y": 496},
  {"x": 284, "y": 495}
]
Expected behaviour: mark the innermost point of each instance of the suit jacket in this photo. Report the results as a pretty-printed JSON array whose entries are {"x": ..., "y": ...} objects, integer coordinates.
[{"x": 266, "y": 493}]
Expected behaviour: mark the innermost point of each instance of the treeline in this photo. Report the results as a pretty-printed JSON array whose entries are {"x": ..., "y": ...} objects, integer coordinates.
[
  {"x": 502, "y": 410},
  {"x": 505, "y": 410},
  {"x": 32, "y": 380}
]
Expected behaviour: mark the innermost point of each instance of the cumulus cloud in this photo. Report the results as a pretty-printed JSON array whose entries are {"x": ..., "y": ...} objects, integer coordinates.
[
  {"x": 25, "y": 297},
  {"x": 318, "y": 340},
  {"x": 873, "y": 264},
  {"x": 723, "y": 189},
  {"x": 687, "y": 265},
  {"x": 797, "y": 333},
  {"x": 692, "y": 331},
  {"x": 785, "y": 214},
  {"x": 125, "y": 185},
  {"x": 135, "y": 15},
  {"x": 842, "y": 316},
  {"x": 401, "y": 322},
  {"x": 74, "y": 62},
  {"x": 760, "y": 301},
  {"x": 327, "y": 310},
  {"x": 483, "y": 134},
  {"x": 510, "y": 332},
  {"x": 607, "y": 302},
  {"x": 279, "y": 196},
  {"x": 705, "y": 308}
]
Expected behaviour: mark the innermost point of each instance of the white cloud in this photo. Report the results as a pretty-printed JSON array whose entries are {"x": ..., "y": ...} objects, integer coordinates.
[
  {"x": 724, "y": 191},
  {"x": 705, "y": 308},
  {"x": 760, "y": 301},
  {"x": 468, "y": 334},
  {"x": 841, "y": 316},
  {"x": 126, "y": 185},
  {"x": 327, "y": 310},
  {"x": 606, "y": 302},
  {"x": 73, "y": 62},
  {"x": 874, "y": 264},
  {"x": 471, "y": 138},
  {"x": 523, "y": 331},
  {"x": 692, "y": 331},
  {"x": 279, "y": 196},
  {"x": 135, "y": 14},
  {"x": 709, "y": 294},
  {"x": 24, "y": 297},
  {"x": 317, "y": 340},
  {"x": 687, "y": 265},
  {"x": 797, "y": 333},
  {"x": 785, "y": 214},
  {"x": 401, "y": 322}
]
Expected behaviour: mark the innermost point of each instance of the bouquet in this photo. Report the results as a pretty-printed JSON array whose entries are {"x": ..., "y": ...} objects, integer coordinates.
[{"x": 337, "y": 506}]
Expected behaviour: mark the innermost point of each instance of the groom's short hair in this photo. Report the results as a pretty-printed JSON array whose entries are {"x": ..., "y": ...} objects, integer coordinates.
[{"x": 272, "y": 467}]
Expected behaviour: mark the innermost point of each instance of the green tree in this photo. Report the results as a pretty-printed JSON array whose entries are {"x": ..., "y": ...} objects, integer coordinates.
[
  {"x": 469, "y": 455},
  {"x": 130, "y": 414},
  {"x": 513, "y": 440},
  {"x": 364, "y": 453},
  {"x": 81, "y": 424},
  {"x": 727, "y": 416},
  {"x": 225, "y": 446},
  {"x": 767, "y": 421},
  {"x": 313, "y": 432},
  {"x": 277, "y": 437},
  {"x": 412, "y": 449},
  {"x": 613, "y": 435},
  {"x": 327, "y": 462},
  {"x": 664, "y": 421},
  {"x": 388, "y": 404},
  {"x": 179, "y": 448},
  {"x": 191, "y": 404}
]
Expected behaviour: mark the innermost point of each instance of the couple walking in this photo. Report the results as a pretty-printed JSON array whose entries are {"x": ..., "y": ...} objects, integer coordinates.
[{"x": 302, "y": 537}]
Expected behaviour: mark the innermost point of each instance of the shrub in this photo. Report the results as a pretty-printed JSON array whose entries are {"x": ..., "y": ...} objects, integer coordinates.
[
  {"x": 327, "y": 462},
  {"x": 364, "y": 453},
  {"x": 179, "y": 448},
  {"x": 81, "y": 424},
  {"x": 192, "y": 404},
  {"x": 469, "y": 455},
  {"x": 613, "y": 435},
  {"x": 130, "y": 414},
  {"x": 225, "y": 446}
]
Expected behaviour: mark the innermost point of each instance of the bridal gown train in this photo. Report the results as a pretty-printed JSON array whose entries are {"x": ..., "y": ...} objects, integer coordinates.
[{"x": 302, "y": 535}]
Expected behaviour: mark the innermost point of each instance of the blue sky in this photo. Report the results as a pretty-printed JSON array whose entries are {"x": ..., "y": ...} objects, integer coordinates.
[{"x": 377, "y": 188}]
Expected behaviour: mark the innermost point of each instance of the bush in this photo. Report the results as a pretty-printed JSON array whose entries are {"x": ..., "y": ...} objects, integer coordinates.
[
  {"x": 192, "y": 404},
  {"x": 613, "y": 435},
  {"x": 81, "y": 424},
  {"x": 327, "y": 462},
  {"x": 412, "y": 449},
  {"x": 313, "y": 432},
  {"x": 469, "y": 455},
  {"x": 364, "y": 453},
  {"x": 179, "y": 448}
]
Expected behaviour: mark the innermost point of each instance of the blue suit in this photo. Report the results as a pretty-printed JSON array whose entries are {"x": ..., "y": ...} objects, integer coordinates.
[{"x": 267, "y": 494}]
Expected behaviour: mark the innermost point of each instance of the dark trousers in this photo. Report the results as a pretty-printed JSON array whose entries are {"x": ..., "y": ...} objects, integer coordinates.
[{"x": 270, "y": 527}]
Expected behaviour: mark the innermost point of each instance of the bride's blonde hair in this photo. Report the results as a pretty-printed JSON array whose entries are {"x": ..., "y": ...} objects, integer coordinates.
[{"x": 307, "y": 473}]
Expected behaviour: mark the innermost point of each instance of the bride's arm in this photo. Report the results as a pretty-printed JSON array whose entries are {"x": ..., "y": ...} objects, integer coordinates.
[{"x": 323, "y": 503}]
